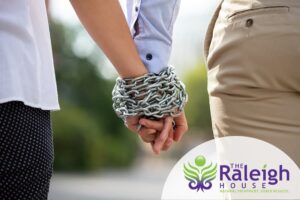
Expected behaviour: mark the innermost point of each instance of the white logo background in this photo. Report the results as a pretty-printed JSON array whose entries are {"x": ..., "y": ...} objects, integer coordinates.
[{"x": 234, "y": 149}]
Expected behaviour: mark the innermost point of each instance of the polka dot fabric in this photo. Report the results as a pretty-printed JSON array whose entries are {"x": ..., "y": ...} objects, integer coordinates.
[{"x": 26, "y": 152}]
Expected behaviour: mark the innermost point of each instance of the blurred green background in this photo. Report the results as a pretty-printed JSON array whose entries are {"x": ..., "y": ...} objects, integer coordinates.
[
  {"x": 94, "y": 152},
  {"x": 87, "y": 133}
]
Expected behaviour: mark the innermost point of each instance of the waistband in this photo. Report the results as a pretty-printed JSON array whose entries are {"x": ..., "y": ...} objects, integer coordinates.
[
  {"x": 231, "y": 6},
  {"x": 256, "y": 3}
]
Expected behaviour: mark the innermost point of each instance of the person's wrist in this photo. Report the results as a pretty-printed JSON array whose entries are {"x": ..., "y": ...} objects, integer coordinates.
[
  {"x": 135, "y": 74},
  {"x": 153, "y": 95},
  {"x": 134, "y": 71}
]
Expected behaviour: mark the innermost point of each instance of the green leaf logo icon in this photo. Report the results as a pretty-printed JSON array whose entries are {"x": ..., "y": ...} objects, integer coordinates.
[{"x": 199, "y": 174}]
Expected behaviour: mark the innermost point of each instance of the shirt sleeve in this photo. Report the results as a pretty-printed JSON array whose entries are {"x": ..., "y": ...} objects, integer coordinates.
[{"x": 151, "y": 24}]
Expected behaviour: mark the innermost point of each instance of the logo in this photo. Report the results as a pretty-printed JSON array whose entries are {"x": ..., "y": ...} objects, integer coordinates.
[
  {"x": 199, "y": 174},
  {"x": 239, "y": 177},
  {"x": 233, "y": 167}
]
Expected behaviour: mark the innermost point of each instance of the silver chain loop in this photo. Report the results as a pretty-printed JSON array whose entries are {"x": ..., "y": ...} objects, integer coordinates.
[{"x": 151, "y": 95}]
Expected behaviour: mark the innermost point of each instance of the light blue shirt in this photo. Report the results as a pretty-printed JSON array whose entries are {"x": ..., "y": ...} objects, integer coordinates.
[{"x": 151, "y": 24}]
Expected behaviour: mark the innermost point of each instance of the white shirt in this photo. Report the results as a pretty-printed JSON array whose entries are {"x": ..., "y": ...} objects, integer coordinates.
[
  {"x": 26, "y": 63},
  {"x": 155, "y": 21}
]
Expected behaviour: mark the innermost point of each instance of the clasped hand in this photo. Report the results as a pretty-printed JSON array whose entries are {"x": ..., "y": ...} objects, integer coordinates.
[{"x": 161, "y": 133}]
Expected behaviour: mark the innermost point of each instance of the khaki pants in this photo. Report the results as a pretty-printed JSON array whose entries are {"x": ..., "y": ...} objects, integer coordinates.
[{"x": 252, "y": 49}]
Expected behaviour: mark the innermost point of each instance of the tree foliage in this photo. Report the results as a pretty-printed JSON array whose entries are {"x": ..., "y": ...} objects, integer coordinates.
[
  {"x": 87, "y": 133},
  {"x": 197, "y": 109}
]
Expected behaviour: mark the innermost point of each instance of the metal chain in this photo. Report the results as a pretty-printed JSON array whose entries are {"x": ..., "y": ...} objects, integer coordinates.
[{"x": 151, "y": 95}]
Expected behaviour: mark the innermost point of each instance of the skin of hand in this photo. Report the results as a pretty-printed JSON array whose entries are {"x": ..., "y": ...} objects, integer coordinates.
[
  {"x": 105, "y": 22},
  {"x": 165, "y": 133},
  {"x": 162, "y": 127},
  {"x": 148, "y": 135}
]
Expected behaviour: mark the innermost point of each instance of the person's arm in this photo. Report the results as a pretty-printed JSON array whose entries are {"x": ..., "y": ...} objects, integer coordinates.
[
  {"x": 105, "y": 22},
  {"x": 151, "y": 24}
]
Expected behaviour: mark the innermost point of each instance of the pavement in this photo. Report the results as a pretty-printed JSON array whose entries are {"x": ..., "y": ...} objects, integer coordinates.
[{"x": 143, "y": 181}]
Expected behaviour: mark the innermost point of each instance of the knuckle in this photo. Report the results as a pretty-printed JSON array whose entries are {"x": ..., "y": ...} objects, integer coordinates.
[
  {"x": 162, "y": 139},
  {"x": 146, "y": 123},
  {"x": 186, "y": 128},
  {"x": 169, "y": 119},
  {"x": 149, "y": 132},
  {"x": 145, "y": 140},
  {"x": 141, "y": 133}
]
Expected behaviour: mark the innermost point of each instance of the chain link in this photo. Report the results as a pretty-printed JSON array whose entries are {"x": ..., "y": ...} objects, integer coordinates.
[{"x": 151, "y": 95}]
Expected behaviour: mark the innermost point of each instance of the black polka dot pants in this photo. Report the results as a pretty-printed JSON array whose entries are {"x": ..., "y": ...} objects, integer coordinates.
[{"x": 26, "y": 152}]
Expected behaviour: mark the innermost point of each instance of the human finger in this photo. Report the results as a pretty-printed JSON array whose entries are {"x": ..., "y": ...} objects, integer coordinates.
[
  {"x": 152, "y": 124},
  {"x": 181, "y": 127},
  {"x": 132, "y": 123},
  {"x": 169, "y": 141},
  {"x": 163, "y": 136},
  {"x": 147, "y": 135}
]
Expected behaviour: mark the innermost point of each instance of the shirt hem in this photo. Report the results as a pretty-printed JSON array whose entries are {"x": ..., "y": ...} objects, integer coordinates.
[{"x": 27, "y": 103}]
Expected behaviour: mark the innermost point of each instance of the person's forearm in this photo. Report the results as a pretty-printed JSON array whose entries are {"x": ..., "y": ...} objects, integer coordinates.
[{"x": 105, "y": 22}]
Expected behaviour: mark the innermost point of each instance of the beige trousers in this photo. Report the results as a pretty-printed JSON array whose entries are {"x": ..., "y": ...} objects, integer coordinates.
[{"x": 252, "y": 49}]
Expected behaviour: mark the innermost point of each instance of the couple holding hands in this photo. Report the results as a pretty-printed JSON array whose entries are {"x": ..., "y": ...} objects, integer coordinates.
[{"x": 252, "y": 55}]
